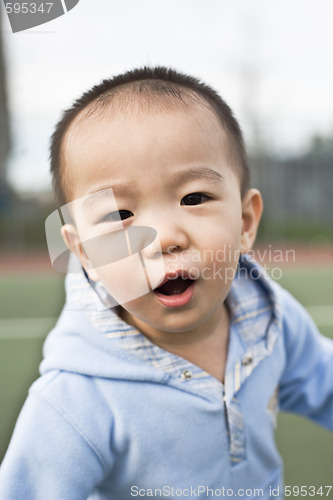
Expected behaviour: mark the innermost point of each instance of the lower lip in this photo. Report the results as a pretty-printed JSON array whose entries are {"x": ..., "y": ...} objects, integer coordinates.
[{"x": 178, "y": 300}]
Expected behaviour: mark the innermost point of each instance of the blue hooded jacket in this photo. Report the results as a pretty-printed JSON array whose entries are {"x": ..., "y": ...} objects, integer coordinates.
[{"x": 114, "y": 416}]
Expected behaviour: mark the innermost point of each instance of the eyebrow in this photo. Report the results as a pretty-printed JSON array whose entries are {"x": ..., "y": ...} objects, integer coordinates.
[
  {"x": 181, "y": 177},
  {"x": 199, "y": 172},
  {"x": 103, "y": 192}
]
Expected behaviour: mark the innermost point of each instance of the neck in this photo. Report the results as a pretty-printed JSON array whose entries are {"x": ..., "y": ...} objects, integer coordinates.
[{"x": 205, "y": 346}]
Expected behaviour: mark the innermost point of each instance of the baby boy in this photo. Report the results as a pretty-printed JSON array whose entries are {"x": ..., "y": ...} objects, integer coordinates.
[{"x": 171, "y": 389}]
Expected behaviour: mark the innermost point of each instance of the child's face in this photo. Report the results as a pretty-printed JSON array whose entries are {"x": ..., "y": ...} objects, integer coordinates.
[{"x": 168, "y": 170}]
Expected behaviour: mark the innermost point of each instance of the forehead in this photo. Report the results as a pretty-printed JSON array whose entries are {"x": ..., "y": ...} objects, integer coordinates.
[{"x": 130, "y": 140}]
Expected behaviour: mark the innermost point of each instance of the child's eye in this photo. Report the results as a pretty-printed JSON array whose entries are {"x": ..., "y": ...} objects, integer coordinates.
[
  {"x": 117, "y": 216},
  {"x": 194, "y": 199}
]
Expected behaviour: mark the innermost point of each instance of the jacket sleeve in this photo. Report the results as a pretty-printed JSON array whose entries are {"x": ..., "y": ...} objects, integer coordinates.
[
  {"x": 306, "y": 386},
  {"x": 48, "y": 457}
]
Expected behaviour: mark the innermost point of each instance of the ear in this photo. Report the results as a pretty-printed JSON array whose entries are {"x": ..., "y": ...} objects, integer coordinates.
[
  {"x": 252, "y": 206},
  {"x": 72, "y": 240}
]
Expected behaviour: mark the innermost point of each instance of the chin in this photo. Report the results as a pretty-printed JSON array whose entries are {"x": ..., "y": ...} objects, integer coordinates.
[{"x": 176, "y": 322}]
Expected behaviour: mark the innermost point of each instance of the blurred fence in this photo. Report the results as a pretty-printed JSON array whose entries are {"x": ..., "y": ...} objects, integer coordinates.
[{"x": 298, "y": 195}]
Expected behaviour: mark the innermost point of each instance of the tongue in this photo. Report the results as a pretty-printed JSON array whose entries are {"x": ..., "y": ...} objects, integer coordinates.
[{"x": 174, "y": 287}]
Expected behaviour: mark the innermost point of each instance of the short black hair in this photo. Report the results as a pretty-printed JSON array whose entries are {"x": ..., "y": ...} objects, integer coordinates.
[{"x": 152, "y": 81}]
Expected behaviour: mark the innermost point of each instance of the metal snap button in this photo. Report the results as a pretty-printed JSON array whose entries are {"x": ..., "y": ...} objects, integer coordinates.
[
  {"x": 186, "y": 374},
  {"x": 246, "y": 361}
]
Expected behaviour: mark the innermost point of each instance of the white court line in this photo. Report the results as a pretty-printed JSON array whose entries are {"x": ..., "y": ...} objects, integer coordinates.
[
  {"x": 14, "y": 328},
  {"x": 25, "y": 328}
]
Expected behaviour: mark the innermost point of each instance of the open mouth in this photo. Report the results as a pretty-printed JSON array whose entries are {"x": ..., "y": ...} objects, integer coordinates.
[
  {"x": 174, "y": 286},
  {"x": 175, "y": 291}
]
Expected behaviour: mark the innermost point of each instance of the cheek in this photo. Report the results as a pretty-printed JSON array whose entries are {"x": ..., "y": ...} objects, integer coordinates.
[
  {"x": 220, "y": 249},
  {"x": 132, "y": 277},
  {"x": 125, "y": 280},
  {"x": 224, "y": 234}
]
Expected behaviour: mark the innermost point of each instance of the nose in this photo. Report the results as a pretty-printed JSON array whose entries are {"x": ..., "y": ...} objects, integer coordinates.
[{"x": 171, "y": 236}]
